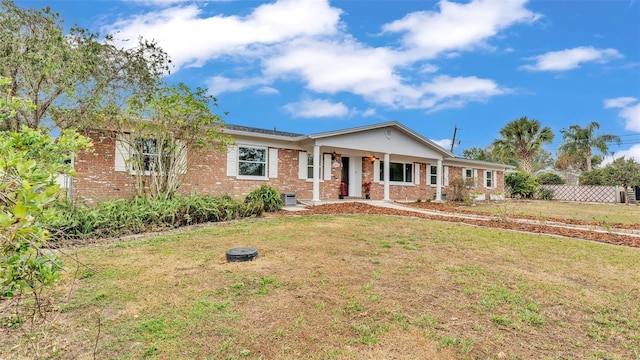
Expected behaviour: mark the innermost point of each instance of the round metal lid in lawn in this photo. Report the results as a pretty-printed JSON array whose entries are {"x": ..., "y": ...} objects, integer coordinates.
[{"x": 242, "y": 254}]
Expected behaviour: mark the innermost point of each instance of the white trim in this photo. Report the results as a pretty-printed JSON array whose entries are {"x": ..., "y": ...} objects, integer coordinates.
[
  {"x": 122, "y": 154},
  {"x": 266, "y": 163},
  {"x": 302, "y": 165},
  {"x": 416, "y": 175},
  {"x": 273, "y": 162},
  {"x": 430, "y": 174},
  {"x": 446, "y": 176},
  {"x": 232, "y": 160},
  {"x": 327, "y": 166},
  {"x": 376, "y": 171}
]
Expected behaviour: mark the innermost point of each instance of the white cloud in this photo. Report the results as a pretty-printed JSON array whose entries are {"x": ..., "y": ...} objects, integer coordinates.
[
  {"x": 571, "y": 58},
  {"x": 629, "y": 111},
  {"x": 316, "y": 108},
  {"x": 369, "y": 112},
  {"x": 459, "y": 26},
  {"x": 620, "y": 102},
  {"x": 445, "y": 143},
  {"x": 191, "y": 39},
  {"x": 632, "y": 153},
  {"x": 220, "y": 84},
  {"x": 304, "y": 41},
  {"x": 268, "y": 90}
]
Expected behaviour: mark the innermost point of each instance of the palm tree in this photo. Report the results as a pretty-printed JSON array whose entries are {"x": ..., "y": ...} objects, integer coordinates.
[
  {"x": 522, "y": 139},
  {"x": 579, "y": 140}
]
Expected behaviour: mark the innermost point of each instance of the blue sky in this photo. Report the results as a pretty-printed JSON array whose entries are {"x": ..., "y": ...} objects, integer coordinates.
[{"x": 315, "y": 65}]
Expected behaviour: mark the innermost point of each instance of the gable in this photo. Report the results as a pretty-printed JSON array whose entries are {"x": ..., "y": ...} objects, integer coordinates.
[{"x": 388, "y": 139}]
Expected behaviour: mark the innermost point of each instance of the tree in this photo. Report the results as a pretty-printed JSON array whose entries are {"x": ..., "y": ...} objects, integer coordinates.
[
  {"x": 476, "y": 153},
  {"x": 30, "y": 164},
  {"x": 623, "y": 172},
  {"x": 523, "y": 139},
  {"x": 162, "y": 131},
  {"x": 69, "y": 77},
  {"x": 578, "y": 142}
]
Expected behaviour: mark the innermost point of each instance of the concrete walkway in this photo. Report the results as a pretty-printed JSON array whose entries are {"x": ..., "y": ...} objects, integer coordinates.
[{"x": 399, "y": 206}]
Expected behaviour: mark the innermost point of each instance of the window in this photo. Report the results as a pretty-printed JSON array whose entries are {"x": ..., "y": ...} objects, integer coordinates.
[
  {"x": 469, "y": 178},
  {"x": 252, "y": 161},
  {"x": 433, "y": 175},
  {"x": 309, "y": 166},
  {"x": 144, "y": 154},
  {"x": 398, "y": 172},
  {"x": 489, "y": 178}
]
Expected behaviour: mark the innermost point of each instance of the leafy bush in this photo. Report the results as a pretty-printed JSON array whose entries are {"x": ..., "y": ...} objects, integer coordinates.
[
  {"x": 30, "y": 163},
  {"x": 266, "y": 195},
  {"x": 522, "y": 184},
  {"x": 545, "y": 194},
  {"x": 550, "y": 179},
  {"x": 459, "y": 188},
  {"x": 137, "y": 215},
  {"x": 593, "y": 177}
]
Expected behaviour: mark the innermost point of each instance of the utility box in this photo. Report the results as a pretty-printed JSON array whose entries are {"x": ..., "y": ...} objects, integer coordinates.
[{"x": 289, "y": 199}]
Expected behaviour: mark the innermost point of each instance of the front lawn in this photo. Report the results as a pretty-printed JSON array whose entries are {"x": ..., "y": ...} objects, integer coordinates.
[{"x": 344, "y": 287}]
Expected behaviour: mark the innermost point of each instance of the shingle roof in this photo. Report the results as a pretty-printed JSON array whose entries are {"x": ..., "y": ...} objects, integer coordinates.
[{"x": 262, "y": 131}]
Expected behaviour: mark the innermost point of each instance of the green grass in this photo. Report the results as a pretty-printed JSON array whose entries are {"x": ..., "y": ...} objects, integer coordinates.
[{"x": 324, "y": 288}]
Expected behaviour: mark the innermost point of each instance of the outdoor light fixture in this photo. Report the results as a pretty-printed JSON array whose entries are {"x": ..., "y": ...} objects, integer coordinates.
[{"x": 333, "y": 155}]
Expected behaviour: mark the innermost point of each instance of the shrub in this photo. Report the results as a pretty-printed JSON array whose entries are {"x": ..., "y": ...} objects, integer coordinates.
[
  {"x": 593, "y": 177},
  {"x": 132, "y": 216},
  {"x": 545, "y": 194},
  {"x": 268, "y": 196},
  {"x": 522, "y": 184},
  {"x": 459, "y": 188},
  {"x": 550, "y": 179}
]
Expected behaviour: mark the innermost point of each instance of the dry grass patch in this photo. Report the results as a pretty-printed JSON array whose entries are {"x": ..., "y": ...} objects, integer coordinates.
[
  {"x": 347, "y": 287},
  {"x": 591, "y": 212}
]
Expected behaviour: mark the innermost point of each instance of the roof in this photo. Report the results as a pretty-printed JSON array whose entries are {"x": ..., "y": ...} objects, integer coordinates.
[
  {"x": 262, "y": 131},
  {"x": 394, "y": 124}
]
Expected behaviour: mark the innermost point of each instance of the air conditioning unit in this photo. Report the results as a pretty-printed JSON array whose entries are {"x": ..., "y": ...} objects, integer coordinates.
[{"x": 289, "y": 199}]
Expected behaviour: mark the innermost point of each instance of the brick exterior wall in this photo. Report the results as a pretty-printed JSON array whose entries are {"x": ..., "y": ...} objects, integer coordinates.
[{"x": 96, "y": 179}]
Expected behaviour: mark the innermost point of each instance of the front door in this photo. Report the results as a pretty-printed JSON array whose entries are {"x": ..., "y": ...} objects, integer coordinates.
[{"x": 354, "y": 172}]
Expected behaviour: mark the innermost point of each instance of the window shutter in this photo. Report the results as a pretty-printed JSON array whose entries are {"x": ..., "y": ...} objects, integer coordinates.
[
  {"x": 494, "y": 179},
  {"x": 446, "y": 176},
  {"x": 376, "y": 171},
  {"x": 122, "y": 154},
  {"x": 181, "y": 165},
  {"x": 232, "y": 160},
  {"x": 326, "y": 166},
  {"x": 475, "y": 177},
  {"x": 416, "y": 166},
  {"x": 273, "y": 163},
  {"x": 302, "y": 165}
]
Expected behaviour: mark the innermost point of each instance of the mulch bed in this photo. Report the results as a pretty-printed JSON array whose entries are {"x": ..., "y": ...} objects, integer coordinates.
[{"x": 540, "y": 228}]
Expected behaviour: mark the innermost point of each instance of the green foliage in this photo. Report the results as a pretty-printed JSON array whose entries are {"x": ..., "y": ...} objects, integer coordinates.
[
  {"x": 578, "y": 142},
  {"x": 70, "y": 75},
  {"x": 593, "y": 177},
  {"x": 550, "y": 179},
  {"x": 545, "y": 194},
  {"x": 522, "y": 139},
  {"x": 177, "y": 122},
  {"x": 623, "y": 172},
  {"x": 30, "y": 163},
  {"x": 522, "y": 184},
  {"x": 132, "y": 216},
  {"x": 267, "y": 196}
]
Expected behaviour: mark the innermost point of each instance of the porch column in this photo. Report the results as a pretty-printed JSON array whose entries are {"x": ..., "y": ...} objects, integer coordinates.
[
  {"x": 316, "y": 172},
  {"x": 439, "y": 181},
  {"x": 386, "y": 177}
]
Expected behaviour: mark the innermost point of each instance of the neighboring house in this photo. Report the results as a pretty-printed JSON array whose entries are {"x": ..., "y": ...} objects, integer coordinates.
[{"x": 400, "y": 163}]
